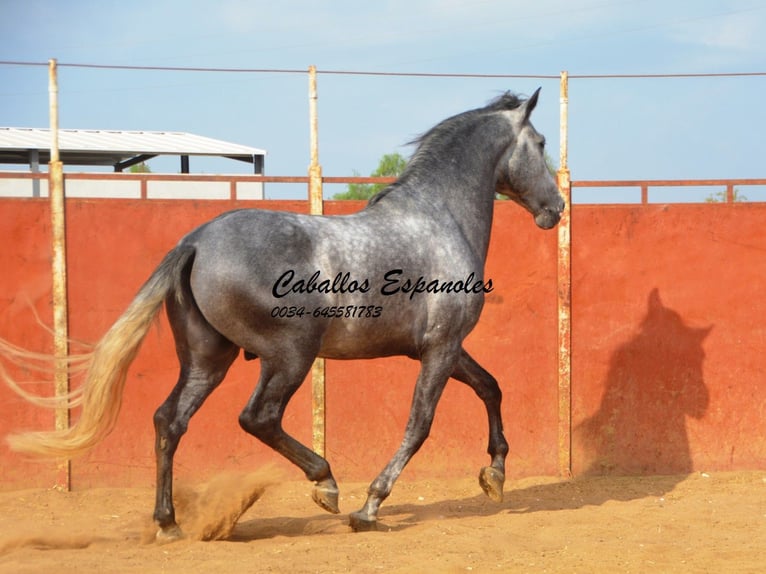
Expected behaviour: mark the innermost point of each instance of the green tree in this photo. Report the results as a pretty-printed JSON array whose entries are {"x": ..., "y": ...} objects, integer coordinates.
[
  {"x": 140, "y": 168},
  {"x": 391, "y": 165},
  {"x": 720, "y": 196}
]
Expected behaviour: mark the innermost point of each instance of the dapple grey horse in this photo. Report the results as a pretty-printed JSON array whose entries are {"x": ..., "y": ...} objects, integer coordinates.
[{"x": 403, "y": 276}]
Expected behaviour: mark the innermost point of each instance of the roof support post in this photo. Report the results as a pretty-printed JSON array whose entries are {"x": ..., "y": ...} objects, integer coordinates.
[
  {"x": 259, "y": 169},
  {"x": 34, "y": 166},
  {"x": 258, "y": 165}
]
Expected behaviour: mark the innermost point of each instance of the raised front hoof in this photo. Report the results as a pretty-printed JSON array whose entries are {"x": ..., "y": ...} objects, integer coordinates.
[
  {"x": 326, "y": 497},
  {"x": 360, "y": 523},
  {"x": 168, "y": 534},
  {"x": 491, "y": 481}
]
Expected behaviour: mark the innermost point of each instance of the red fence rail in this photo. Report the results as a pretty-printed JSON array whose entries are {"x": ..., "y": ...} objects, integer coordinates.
[{"x": 645, "y": 185}]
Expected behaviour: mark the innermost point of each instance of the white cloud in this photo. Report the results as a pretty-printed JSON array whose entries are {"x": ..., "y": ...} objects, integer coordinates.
[
  {"x": 388, "y": 22},
  {"x": 741, "y": 32}
]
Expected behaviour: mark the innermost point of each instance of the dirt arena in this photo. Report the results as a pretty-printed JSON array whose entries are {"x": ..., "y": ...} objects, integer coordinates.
[{"x": 705, "y": 522}]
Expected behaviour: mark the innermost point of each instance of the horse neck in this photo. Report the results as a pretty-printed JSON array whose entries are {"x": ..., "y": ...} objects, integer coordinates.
[{"x": 465, "y": 185}]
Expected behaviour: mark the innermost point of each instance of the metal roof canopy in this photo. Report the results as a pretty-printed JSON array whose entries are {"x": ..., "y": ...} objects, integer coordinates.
[{"x": 119, "y": 149}]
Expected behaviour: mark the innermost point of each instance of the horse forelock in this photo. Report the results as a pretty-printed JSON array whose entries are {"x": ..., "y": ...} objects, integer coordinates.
[{"x": 505, "y": 101}]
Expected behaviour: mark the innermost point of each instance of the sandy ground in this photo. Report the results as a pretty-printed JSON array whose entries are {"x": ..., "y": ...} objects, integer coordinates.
[{"x": 698, "y": 523}]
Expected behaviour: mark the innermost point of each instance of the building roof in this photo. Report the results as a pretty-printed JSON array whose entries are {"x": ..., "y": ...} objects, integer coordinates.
[{"x": 120, "y": 149}]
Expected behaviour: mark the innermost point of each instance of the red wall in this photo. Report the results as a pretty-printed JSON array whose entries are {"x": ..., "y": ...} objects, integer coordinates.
[
  {"x": 653, "y": 392},
  {"x": 669, "y": 338}
]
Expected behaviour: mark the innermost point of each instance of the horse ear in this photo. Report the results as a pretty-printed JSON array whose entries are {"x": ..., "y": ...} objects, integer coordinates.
[
  {"x": 530, "y": 104},
  {"x": 703, "y": 332},
  {"x": 654, "y": 299}
]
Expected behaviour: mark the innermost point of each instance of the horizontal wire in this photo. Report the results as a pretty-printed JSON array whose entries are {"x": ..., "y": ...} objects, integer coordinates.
[{"x": 372, "y": 73}]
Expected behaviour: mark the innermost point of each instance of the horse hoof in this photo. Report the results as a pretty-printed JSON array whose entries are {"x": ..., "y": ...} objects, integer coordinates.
[
  {"x": 491, "y": 481},
  {"x": 169, "y": 534},
  {"x": 326, "y": 497},
  {"x": 360, "y": 523}
]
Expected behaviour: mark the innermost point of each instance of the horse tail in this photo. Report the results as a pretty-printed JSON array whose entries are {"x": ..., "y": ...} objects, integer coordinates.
[{"x": 107, "y": 367}]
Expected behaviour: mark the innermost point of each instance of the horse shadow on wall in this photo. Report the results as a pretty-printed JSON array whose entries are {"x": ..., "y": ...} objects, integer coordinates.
[{"x": 655, "y": 381}]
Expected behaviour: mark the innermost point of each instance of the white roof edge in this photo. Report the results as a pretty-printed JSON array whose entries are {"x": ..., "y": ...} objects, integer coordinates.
[{"x": 122, "y": 141}]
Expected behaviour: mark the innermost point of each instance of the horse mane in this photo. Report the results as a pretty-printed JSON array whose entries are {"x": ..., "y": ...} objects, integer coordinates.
[{"x": 505, "y": 101}]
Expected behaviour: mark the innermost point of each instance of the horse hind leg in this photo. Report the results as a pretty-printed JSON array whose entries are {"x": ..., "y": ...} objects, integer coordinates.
[
  {"x": 468, "y": 371},
  {"x": 205, "y": 357},
  {"x": 262, "y": 418}
]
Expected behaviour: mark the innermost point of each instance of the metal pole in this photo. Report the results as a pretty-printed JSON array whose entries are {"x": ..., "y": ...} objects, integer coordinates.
[
  {"x": 315, "y": 170},
  {"x": 59, "y": 277},
  {"x": 316, "y": 207},
  {"x": 564, "y": 289}
]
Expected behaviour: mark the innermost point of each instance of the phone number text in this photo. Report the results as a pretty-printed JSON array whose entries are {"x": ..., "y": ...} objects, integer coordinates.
[{"x": 335, "y": 312}]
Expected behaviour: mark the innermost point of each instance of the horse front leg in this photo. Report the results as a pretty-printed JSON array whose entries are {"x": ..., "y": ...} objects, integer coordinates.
[
  {"x": 468, "y": 371},
  {"x": 428, "y": 390}
]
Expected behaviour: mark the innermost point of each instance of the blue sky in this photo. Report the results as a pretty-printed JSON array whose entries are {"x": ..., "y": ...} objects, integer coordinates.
[{"x": 683, "y": 128}]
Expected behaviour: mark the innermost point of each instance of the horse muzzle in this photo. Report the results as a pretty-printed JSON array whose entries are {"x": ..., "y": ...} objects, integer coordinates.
[{"x": 548, "y": 217}]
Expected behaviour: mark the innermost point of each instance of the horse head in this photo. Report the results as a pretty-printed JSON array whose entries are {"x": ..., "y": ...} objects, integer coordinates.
[{"x": 523, "y": 174}]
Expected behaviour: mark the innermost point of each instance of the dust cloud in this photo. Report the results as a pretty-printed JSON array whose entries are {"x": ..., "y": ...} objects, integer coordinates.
[{"x": 211, "y": 510}]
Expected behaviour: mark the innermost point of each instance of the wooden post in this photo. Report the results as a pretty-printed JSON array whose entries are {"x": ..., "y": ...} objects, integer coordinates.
[
  {"x": 316, "y": 207},
  {"x": 564, "y": 290},
  {"x": 59, "y": 278}
]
